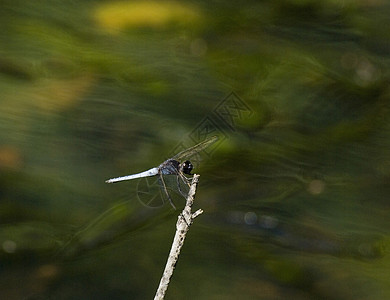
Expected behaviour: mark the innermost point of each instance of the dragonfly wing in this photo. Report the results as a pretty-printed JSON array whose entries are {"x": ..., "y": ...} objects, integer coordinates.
[
  {"x": 148, "y": 173},
  {"x": 195, "y": 149}
]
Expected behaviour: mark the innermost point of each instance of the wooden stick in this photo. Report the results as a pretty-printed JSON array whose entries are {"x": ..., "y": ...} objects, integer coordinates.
[{"x": 183, "y": 224}]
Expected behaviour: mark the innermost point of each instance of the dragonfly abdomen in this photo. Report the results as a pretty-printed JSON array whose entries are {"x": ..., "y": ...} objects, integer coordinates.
[{"x": 150, "y": 172}]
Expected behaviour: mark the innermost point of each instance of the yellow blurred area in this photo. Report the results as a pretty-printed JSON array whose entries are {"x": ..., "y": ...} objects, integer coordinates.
[
  {"x": 49, "y": 95},
  {"x": 10, "y": 157},
  {"x": 47, "y": 271},
  {"x": 59, "y": 94},
  {"x": 156, "y": 14}
]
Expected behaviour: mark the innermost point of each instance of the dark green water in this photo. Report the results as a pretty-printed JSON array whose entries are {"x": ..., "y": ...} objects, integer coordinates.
[{"x": 295, "y": 193}]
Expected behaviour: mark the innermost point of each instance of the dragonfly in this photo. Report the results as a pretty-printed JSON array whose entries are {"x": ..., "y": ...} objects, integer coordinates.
[{"x": 178, "y": 165}]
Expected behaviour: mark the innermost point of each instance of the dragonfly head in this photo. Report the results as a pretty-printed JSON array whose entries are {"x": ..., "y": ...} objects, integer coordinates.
[{"x": 187, "y": 167}]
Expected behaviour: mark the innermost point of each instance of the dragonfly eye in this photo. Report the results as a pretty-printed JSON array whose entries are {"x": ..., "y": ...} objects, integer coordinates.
[{"x": 187, "y": 167}]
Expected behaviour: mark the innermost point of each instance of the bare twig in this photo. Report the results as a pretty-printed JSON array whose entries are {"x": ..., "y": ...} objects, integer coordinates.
[{"x": 183, "y": 224}]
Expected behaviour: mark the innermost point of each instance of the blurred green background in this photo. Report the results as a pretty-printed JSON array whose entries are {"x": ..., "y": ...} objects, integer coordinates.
[{"x": 295, "y": 193}]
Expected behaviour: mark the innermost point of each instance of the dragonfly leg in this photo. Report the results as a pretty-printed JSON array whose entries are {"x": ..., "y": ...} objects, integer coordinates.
[
  {"x": 184, "y": 219},
  {"x": 184, "y": 179},
  {"x": 164, "y": 187},
  {"x": 179, "y": 188}
]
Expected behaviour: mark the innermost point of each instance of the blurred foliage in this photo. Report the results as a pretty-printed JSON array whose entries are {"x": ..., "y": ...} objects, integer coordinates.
[
  {"x": 155, "y": 14},
  {"x": 295, "y": 195}
]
